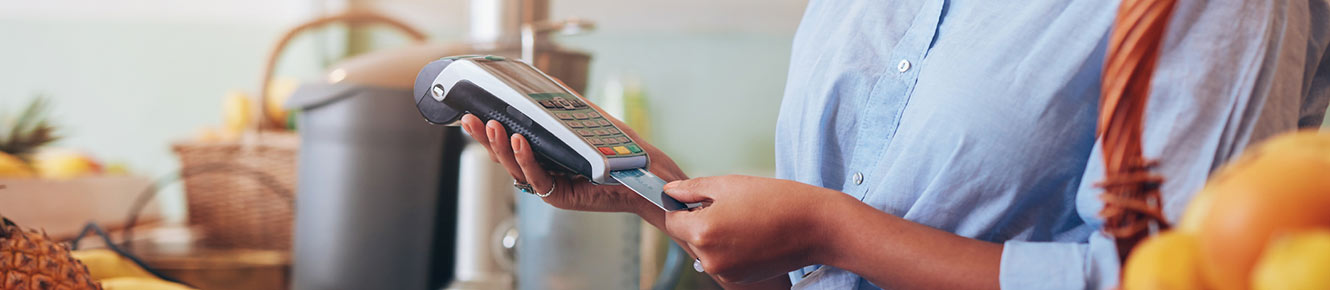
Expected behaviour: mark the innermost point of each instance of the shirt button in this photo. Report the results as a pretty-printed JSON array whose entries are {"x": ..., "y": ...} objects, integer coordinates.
[
  {"x": 903, "y": 66},
  {"x": 858, "y": 178}
]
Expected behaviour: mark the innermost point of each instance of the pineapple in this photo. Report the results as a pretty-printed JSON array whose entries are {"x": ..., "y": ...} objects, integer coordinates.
[
  {"x": 30, "y": 260},
  {"x": 21, "y": 135}
]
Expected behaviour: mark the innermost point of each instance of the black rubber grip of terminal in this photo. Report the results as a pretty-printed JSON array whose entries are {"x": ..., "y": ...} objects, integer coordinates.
[{"x": 468, "y": 97}]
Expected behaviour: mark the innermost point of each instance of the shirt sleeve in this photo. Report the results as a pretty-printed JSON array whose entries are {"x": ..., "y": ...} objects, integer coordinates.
[{"x": 1232, "y": 73}]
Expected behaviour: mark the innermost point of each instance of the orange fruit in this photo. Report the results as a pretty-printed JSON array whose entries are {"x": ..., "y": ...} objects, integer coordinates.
[
  {"x": 1167, "y": 261},
  {"x": 1280, "y": 186}
]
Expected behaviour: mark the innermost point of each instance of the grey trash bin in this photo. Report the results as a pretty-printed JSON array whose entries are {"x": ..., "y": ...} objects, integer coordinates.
[{"x": 376, "y": 201}]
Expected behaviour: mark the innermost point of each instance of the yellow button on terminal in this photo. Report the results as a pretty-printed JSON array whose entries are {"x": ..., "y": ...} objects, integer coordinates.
[{"x": 622, "y": 150}]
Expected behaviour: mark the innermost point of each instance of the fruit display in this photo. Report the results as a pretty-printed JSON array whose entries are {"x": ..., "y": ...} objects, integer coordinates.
[
  {"x": 115, "y": 272},
  {"x": 279, "y": 91},
  {"x": 1166, "y": 261},
  {"x": 13, "y": 167},
  {"x": 137, "y": 283},
  {"x": 31, "y": 260},
  {"x": 1260, "y": 223},
  {"x": 242, "y": 113},
  {"x": 1296, "y": 261},
  {"x": 24, "y": 139},
  {"x": 64, "y": 164},
  {"x": 20, "y": 136},
  {"x": 237, "y": 113},
  {"x": 106, "y": 264}
]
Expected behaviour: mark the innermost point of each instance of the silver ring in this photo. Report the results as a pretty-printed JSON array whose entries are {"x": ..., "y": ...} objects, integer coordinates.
[
  {"x": 697, "y": 266},
  {"x": 547, "y": 194},
  {"x": 524, "y": 187}
]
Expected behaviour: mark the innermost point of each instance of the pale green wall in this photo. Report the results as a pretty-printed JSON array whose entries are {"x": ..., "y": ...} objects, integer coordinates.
[{"x": 713, "y": 96}]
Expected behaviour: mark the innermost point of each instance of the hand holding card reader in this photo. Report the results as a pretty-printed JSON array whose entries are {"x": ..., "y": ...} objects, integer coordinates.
[{"x": 565, "y": 133}]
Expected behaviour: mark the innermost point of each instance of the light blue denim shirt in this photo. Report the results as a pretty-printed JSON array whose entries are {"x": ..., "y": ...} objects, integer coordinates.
[{"x": 977, "y": 117}]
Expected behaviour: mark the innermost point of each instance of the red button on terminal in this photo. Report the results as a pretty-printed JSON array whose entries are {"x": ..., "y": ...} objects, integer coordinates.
[{"x": 606, "y": 150}]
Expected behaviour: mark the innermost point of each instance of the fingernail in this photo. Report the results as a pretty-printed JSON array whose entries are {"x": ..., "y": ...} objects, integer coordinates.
[
  {"x": 517, "y": 145},
  {"x": 670, "y": 185}
]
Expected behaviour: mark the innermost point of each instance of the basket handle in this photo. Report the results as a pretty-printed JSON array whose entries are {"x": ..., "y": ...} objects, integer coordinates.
[
  {"x": 349, "y": 17},
  {"x": 1132, "y": 203}
]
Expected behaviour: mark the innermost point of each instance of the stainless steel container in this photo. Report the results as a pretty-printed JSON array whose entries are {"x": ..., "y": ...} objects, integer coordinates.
[
  {"x": 557, "y": 249},
  {"x": 562, "y": 249},
  {"x": 486, "y": 232}
]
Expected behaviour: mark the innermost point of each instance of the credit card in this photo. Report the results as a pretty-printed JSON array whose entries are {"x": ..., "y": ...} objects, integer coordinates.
[{"x": 649, "y": 186}]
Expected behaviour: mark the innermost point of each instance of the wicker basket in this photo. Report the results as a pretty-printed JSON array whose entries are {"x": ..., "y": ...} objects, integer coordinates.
[
  {"x": 242, "y": 194},
  {"x": 1132, "y": 204}
]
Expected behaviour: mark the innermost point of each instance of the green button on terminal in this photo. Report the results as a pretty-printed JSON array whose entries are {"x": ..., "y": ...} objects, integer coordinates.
[{"x": 633, "y": 148}]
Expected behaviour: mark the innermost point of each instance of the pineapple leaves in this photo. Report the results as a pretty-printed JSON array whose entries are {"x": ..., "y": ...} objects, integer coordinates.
[{"x": 23, "y": 134}]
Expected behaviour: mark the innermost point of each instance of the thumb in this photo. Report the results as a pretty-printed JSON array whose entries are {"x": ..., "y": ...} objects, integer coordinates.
[
  {"x": 680, "y": 224},
  {"x": 689, "y": 190}
]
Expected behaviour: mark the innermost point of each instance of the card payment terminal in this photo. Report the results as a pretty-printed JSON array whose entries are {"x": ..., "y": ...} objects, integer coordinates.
[{"x": 566, "y": 134}]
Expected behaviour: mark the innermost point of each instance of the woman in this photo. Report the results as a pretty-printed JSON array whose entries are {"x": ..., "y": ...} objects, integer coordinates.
[{"x": 939, "y": 144}]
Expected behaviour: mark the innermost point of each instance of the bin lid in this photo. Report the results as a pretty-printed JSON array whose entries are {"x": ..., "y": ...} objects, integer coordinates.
[
  {"x": 394, "y": 68},
  {"x": 310, "y": 94}
]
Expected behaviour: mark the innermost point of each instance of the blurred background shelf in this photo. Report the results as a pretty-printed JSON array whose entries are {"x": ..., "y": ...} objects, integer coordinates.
[{"x": 63, "y": 207}]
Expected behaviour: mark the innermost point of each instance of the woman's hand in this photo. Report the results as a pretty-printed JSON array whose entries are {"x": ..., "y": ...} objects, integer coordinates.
[
  {"x": 754, "y": 228},
  {"x": 569, "y": 193}
]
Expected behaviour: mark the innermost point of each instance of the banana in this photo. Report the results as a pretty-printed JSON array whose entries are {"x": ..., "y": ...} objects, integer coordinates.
[
  {"x": 13, "y": 167},
  {"x": 137, "y": 283},
  {"x": 105, "y": 264}
]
